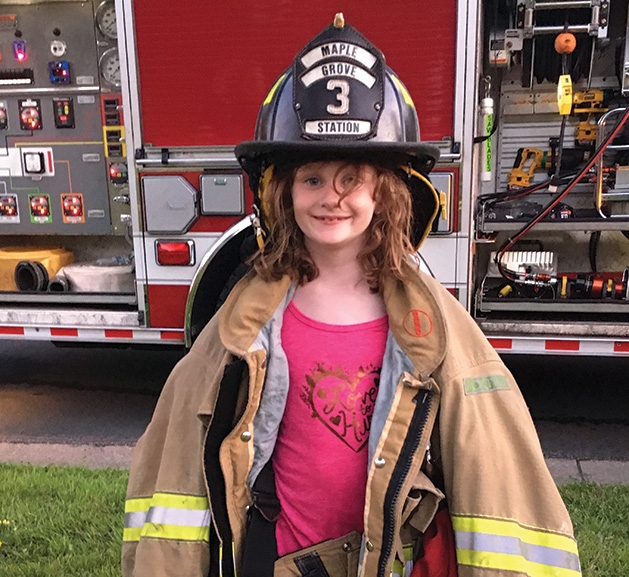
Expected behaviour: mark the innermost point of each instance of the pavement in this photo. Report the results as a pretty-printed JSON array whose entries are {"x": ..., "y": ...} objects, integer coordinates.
[
  {"x": 583, "y": 429},
  {"x": 91, "y": 456},
  {"x": 594, "y": 471},
  {"x": 119, "y": 457},
  {"x": 596, "y": 453}
]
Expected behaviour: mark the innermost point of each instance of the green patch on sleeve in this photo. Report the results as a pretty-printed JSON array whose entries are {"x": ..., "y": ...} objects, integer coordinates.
[{"x": 486, "y": 384}]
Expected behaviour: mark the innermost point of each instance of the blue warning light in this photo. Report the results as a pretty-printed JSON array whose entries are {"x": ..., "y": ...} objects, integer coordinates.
[{"x": 19, "y": 50}]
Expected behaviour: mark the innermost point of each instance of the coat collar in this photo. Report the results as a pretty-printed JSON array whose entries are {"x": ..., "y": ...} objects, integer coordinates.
[
  {"x": 248, "y": 307},
  {"x": 415, "y": 316},
  {"x": 416, "y": 320}
]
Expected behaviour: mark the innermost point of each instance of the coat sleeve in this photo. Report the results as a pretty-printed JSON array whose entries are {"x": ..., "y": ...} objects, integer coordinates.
[
  {"x": 507, "y": 514},
  {"x": 167, "y": 515}
]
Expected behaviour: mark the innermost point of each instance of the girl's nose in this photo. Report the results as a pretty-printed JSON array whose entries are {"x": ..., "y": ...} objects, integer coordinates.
[{"x": 329, "y": 194}]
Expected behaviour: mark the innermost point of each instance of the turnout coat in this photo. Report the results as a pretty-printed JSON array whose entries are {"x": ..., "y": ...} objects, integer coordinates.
[{"x": 449, "y": 422}]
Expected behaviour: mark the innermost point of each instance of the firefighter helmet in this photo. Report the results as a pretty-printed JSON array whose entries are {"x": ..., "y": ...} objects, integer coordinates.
[{"x": 340, "y": 99}]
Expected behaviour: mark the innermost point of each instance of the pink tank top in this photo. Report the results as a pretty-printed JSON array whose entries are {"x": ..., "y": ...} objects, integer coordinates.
[{"x": 320, "y": 459}]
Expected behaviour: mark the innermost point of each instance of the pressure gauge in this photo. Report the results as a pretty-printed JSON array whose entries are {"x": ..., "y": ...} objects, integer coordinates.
[
  {"x": 109, "y": 66},
  {"x": 106, "y": 19}
]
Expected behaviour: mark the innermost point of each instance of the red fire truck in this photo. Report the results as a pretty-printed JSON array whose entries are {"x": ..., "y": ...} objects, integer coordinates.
[{"x": 123, "y": 209}]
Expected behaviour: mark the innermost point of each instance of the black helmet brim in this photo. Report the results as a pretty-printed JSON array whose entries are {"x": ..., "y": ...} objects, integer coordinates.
[{"x": 253, "y": 155}]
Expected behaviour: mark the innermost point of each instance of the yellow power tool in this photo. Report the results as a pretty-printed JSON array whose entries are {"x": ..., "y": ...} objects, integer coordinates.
[{"x": 527, "y": 161}]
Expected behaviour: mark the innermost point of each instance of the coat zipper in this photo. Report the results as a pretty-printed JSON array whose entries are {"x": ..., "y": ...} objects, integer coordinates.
[{"x": 400, "y": 472}]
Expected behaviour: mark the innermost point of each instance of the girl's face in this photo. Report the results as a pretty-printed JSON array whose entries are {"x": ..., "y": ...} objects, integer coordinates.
[{"x": 327, "y": 220}]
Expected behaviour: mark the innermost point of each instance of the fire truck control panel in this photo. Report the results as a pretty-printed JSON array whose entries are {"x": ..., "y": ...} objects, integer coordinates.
[{"x": 62, "y": 147}]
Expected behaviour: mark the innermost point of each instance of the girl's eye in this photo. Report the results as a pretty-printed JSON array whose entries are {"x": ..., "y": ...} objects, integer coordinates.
[
  {"x": 348, "y": 180},
  {"x": 312, "y": 181}
]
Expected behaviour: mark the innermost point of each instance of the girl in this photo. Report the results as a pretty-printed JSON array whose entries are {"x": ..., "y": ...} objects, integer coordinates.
[
  {"x": 342, "y": 414},
  {"x": 330, "y": 219}
]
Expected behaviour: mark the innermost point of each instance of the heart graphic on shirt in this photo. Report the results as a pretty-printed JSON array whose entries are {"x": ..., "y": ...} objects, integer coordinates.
[{"x": 344, "y": 403}]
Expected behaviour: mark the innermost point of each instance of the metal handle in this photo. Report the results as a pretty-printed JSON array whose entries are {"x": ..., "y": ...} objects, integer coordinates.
[{"x": 602, "y": 123}]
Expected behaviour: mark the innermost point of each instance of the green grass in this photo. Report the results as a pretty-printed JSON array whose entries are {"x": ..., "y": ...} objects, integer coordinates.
[
  {"x": 600, "y": 515},
  {"x": 67, "y": 522},
  {"x": 63, "y": 521}
]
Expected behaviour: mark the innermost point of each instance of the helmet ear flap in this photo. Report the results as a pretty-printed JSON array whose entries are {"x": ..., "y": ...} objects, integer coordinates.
[
  {"x": 259, "y": 182},
  {"x": 425, "y": 205}
]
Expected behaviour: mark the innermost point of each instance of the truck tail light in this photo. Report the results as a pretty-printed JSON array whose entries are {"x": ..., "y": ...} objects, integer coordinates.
[{"x": 174, "y": 253}]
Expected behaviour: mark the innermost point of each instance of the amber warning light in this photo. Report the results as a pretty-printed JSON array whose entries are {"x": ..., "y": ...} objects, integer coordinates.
[{"x": 174, "y": 253}]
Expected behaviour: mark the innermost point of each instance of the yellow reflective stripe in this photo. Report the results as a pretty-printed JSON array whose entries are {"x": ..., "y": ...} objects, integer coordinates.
[
  {"x": 179, "y": 501},
  {"x": 131, "y": 534},
  {"x": 408, "y": 552},
  {"x": 137, "y": 505},
  {"x": 166, "y": 500},
  {"x": 504, "y": 561},
  {"x": 508, "y": 528},
  {"x": 269, "y": 96},
  {"x": 160, "y": 531}
]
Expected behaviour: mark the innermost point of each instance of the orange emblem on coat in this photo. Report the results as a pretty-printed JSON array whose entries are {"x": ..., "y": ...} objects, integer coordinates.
[{"x": 418, "y": 323}]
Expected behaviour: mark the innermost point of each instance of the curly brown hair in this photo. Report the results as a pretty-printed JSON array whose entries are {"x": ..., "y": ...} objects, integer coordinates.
[{"x": 387, "y": 244}]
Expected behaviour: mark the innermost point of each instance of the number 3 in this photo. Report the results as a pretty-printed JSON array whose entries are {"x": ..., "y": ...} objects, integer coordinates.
[{"x": 342, "y": 96}]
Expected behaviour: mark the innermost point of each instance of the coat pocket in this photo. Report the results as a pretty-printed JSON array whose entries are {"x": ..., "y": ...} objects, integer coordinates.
[
  {"x": 422, "y": 503},
  {"x": 332, "y": 558}
]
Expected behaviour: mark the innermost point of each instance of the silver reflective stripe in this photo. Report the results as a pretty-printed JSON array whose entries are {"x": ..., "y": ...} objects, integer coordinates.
[
  {"x": 514, "y": 546},
  {"x": 134, "y": 520},
  {"x": 168, "y": 516},
  {"x": 182, "y": 517}
]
